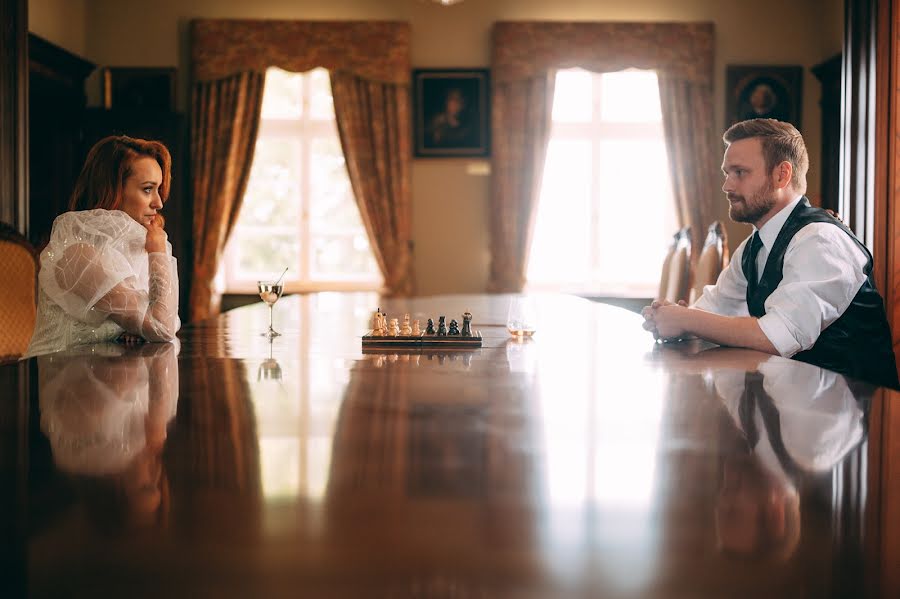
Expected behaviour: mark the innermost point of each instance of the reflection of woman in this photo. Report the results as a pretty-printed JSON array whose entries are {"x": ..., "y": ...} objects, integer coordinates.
[
  {"x": 108, "y": 268},
  {"x": 105, "y": 410}
]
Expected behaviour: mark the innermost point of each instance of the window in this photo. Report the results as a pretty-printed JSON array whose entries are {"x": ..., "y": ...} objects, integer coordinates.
[
  {"x": 606, "y": 213},
  {"x": 298, "y": 210}
]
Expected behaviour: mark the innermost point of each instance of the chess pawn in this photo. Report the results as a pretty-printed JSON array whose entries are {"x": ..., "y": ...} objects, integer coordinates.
[
  {"x": 395, "y": 328},
  {"x": 406, "y": 330},
  {"x": 454, "y": 328},
  {"x": 442, "y": 327},
  {"x": 415, "y": 329},
  {"x": 467, "y": 324},
  {"x": 429, "y": 327}
]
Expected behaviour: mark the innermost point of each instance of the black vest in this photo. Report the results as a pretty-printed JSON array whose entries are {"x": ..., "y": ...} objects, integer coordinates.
[{"x": 858, "y": 343}]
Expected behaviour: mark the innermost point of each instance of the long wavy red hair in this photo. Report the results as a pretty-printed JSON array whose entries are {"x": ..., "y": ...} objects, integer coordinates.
[{"x": 107, "y": 167}]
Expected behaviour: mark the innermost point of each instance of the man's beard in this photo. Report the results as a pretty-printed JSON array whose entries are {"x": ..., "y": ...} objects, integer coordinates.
[{"x": 750, "y": 210}]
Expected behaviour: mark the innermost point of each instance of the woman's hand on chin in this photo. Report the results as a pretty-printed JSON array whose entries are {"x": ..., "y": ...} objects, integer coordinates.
[{"x": 156, "y": 236}]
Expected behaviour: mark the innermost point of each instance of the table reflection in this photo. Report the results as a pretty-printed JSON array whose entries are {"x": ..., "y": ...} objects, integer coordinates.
[{"x": 105, "y": 410}]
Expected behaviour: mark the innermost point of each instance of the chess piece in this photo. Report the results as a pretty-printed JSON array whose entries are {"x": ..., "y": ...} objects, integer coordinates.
[
  {"x": 454, "y": 328},
  {"x": 378, "y": 324},
  {"x": 429, "y": 327},
  {"x": 416, "y": 331},
  {"x": 395, "y": 328},
  {"x": 442, "y": 327},
  {"x": 406, "y": 330},
  {"x": 467, "y": 324}
]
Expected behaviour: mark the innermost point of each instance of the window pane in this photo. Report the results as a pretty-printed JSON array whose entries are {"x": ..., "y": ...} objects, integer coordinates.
[
  {"x": 266, "y": 253},
  {"x": 321, "y": 105},
  {"x": 332, "y": 203},
  {"x": 282, "y": 96},
  {"x": 563, "y": 219},
  {"x": 273, "y": 191},
  {"x": 573, "y": 96},
  {"x": 629, "y": 96},
  {"x": 339, "y": 257},
  {"x": 646, "y": 208}
]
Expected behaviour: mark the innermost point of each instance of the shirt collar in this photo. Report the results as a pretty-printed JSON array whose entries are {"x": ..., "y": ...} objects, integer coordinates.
[{"x": 772, "y": 228}]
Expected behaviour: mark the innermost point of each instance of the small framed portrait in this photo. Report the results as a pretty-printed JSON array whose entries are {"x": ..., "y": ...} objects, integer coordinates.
[
  {"x": 763, "y": 91},
  {"x": 146, "y": 88},
  {"x": 451, "y": 112}
]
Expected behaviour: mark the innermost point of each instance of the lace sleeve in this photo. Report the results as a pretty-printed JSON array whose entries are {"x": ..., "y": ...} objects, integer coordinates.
[{"x": 93, "y": 285}]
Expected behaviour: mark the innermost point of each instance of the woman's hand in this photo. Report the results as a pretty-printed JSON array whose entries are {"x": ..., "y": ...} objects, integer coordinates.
[{"x": 156, "y": 236}]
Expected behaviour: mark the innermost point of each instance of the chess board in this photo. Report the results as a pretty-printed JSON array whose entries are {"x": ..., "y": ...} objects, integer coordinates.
[{"x": 423, "y": 341}]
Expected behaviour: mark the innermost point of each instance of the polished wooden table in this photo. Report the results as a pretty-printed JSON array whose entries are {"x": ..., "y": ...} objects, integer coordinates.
[{"x": 585, "y": 462}]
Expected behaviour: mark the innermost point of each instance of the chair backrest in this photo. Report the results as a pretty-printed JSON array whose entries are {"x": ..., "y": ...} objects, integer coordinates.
[
  {"x": 713, "y": 259},
  {"x": 675, "y": 278},
  {"x": 18, "y": 271}
]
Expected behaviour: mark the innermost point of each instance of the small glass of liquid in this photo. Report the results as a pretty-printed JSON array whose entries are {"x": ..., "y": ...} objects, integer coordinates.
[{"x": 521, "y": 321}]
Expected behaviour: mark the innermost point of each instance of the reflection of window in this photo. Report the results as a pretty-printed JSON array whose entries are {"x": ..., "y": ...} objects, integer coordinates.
[
  {"x": 606, "y": 199},
  {"x": 298, "y": 210}
]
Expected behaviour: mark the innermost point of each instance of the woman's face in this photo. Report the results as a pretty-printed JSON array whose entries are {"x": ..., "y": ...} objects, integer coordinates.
[{"x": 140, "y": 198}]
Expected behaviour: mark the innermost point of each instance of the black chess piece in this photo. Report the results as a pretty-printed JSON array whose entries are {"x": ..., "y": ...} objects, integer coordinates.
[
  {"x": 467, "y": 324},
  {"x": 429, "y": 329},
  {"x": 454, "y": 328},
  {"x": 442, "y": 327}
]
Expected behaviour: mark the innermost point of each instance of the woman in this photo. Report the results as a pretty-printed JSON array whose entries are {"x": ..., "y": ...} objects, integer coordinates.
[{"x": 108, "y": 271}]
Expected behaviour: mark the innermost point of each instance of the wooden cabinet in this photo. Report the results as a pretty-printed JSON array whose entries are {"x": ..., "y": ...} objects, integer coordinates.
[
  {"x": 56, "y": 104},
  {"x": 829, "y": 75}
]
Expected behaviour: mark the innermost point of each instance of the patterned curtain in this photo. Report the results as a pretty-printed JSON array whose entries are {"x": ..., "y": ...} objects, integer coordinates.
[
  {"x": 224, "y": 123},
  {"x": 373, "y": 120},
  {"x": 229, "y": 58},
  {"x": 524, "y": 58},
  {"x": 520, "y": 129},
  {"x": 687, "y": 120}
]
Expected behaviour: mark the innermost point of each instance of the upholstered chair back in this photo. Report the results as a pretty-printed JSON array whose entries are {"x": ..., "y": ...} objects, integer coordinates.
[{"x": 18, "y": 273}]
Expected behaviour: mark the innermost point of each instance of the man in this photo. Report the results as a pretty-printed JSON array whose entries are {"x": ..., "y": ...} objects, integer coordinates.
[{"x": 801, "y": 286}]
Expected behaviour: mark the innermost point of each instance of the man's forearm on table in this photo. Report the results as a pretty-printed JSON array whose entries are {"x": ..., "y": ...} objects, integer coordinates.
[{"x": 733, "y": 331}]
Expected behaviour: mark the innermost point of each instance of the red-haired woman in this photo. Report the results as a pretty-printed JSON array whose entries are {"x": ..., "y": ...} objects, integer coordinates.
[{"x": 108, "y": 271}]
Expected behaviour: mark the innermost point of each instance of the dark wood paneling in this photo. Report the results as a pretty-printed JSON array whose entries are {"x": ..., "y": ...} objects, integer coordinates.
[
  {"x": 829, "y": 75},
  {"x": 14, "y": 113}
]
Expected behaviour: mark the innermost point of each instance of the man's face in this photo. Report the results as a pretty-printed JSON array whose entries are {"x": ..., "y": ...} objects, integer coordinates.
[{"x": 748, "y": 185}]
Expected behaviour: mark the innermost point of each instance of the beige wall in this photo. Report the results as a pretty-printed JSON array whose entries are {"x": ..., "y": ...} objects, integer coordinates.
[
  {"x": 450, "y": 205},
  {"x": 63, "y": 22}
]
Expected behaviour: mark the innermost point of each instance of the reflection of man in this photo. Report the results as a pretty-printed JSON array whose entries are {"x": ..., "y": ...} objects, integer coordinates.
[
  {"x": 105, "y": 409},
  {"x": 801, "y": 286},
  {"x": 452, "y": 126},
  {"x": 793, "y": 419}
]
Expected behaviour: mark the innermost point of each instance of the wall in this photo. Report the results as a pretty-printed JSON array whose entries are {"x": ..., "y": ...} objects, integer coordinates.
[
  {"x": 63, "y": 22},
  {"x": 451, "y": 206}
]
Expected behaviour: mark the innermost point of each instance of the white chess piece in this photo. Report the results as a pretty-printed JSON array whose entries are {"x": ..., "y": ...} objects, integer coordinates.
[
  {"x": 406, "y": 330},
  {"x": 394, "y": 328},
  {"x": 416, "y": 331}
]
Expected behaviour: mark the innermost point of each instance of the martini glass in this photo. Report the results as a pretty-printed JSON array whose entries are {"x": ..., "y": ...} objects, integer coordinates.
[{"x": 270, "y": 291}]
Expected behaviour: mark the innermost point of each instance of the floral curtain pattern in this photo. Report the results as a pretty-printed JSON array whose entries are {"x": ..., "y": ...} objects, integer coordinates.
[
  {"x": 224, "y": 123},
  {"x": 374, "y": 126},
  {"x": 682, "y": 55}
]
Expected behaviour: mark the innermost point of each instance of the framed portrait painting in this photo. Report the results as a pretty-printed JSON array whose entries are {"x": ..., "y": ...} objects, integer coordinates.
[
  {"x": 763, "y": 91},
  {"x": 451, "y": 113}
]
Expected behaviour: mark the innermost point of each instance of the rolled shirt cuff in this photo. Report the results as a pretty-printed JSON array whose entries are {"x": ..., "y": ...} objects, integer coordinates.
[{"x": 778, "y": 333}]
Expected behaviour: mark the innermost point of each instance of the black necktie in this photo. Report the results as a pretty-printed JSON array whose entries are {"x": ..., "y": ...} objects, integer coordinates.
[{"x": 755, "y": 245}]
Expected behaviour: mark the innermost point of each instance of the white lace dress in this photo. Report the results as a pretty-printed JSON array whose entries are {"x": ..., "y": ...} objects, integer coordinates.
[{"x": 97, "y": 281}]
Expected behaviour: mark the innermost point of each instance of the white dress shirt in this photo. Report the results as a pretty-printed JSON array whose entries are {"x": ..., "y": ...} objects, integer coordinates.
[{"x": 823, "y": 271}]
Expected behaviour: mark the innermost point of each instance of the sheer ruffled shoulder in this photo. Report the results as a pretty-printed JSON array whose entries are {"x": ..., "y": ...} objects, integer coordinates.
[
  {"x": 96, "y": 270},
  {"x": 90, "y": 252}
]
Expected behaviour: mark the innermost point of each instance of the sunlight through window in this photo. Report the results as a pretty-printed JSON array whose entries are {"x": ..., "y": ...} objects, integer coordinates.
[
  {"x": 299, "y": 210},
  {"x": 606, "y": 195}
]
